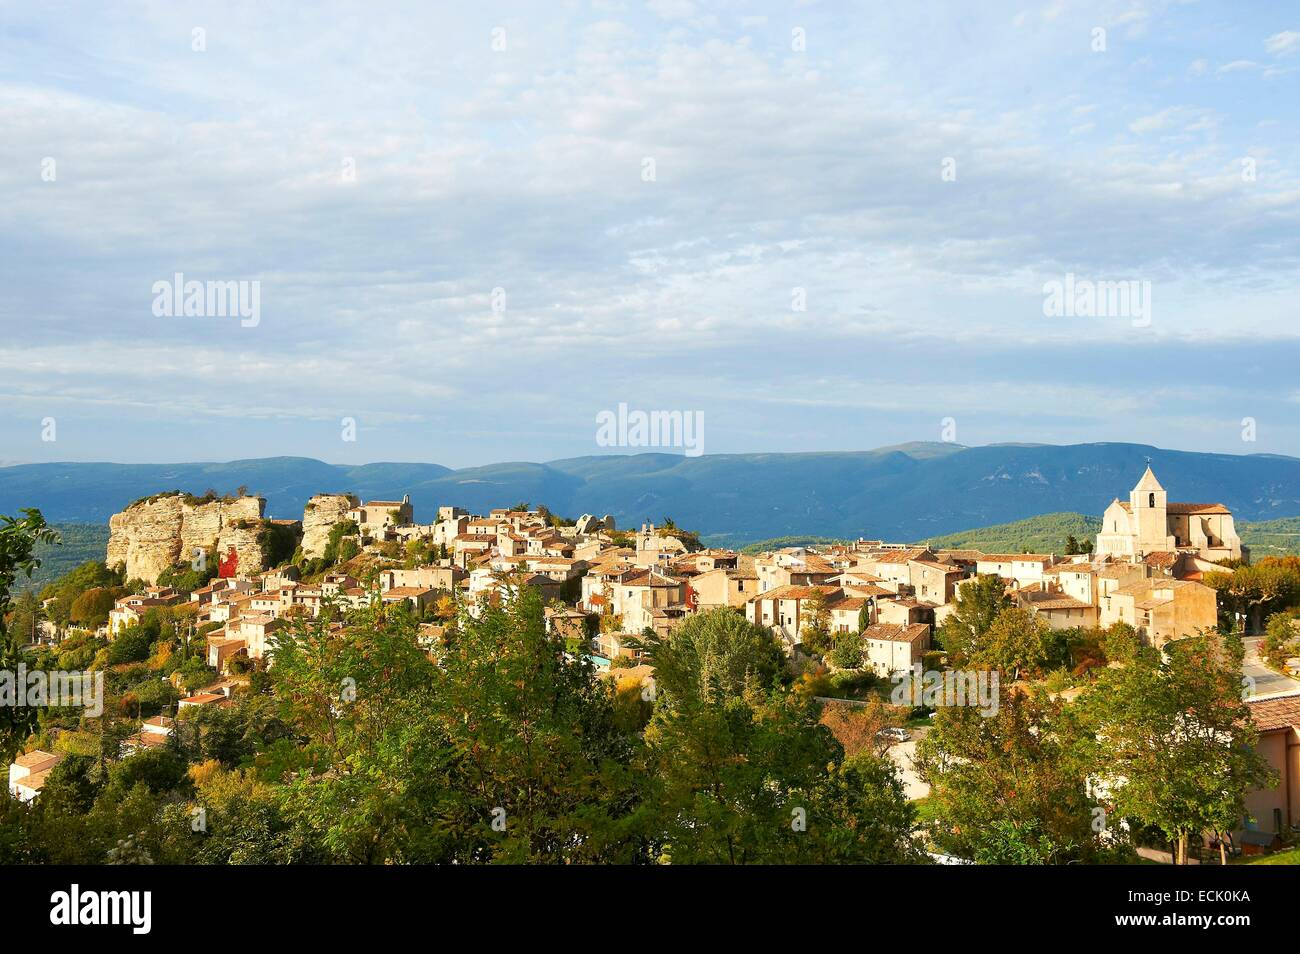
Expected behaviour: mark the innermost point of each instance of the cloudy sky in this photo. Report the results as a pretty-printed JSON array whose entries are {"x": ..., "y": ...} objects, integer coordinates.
[{"x": 824, "y": 226}]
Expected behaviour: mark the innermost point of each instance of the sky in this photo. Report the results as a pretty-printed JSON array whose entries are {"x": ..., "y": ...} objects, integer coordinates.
[{"x": 473, "y": 228}]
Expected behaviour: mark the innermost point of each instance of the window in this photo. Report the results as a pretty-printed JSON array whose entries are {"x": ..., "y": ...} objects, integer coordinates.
[{"x": 1151, "y": 500}]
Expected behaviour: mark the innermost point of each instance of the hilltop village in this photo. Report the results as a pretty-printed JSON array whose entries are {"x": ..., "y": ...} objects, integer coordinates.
[
  {"x": 851, "y": 619},
  {"x": 1145, "y": 571}
]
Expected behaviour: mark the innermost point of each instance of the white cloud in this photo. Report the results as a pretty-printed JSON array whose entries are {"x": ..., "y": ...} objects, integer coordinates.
[
  {"x": 1284, "y": 43},
  {"x": 522, "y": 169},
  {"x": 1238, "y": 66}
]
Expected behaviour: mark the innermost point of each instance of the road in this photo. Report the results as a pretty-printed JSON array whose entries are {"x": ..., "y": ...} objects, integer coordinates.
[
  {"x": 901, "y": 753},
  {"x": 1266, "y": 681}
]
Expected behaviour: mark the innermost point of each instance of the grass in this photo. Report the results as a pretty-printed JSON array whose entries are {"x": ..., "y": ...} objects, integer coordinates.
[{"x": 1290, "y": 856}]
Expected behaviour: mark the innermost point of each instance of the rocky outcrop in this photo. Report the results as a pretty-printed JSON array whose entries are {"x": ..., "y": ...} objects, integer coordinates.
[
  {"x": 159, "y": 532},
  {"x": 589, "y": 524},
  {"x": 322, "y": 512}
]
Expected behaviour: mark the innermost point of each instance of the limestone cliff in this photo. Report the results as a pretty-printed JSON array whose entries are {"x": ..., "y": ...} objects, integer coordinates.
[
  {"x": 322, "y": 512},
  {"x": 161, "y": 531}
]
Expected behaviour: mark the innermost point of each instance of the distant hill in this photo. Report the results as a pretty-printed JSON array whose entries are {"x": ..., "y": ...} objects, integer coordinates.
[
  {"x": 908, "y": 492},
  {"x": 1047, "y": 534},
  {"x": 79, "y": 542},
  {"x": 1271, "y": 537},
  {"x": 779, "y": 543},
  {"x": 1042, "y": 534}
]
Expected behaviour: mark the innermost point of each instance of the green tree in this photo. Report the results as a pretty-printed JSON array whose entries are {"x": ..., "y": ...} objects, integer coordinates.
[
  {"x": 1016, "y": 642},
  {"x": 341, "y": 544},
  {"x": 849, "y": 651},
  {"x": 1172, "y": 738},
  {"x": 26, "y": 617},
  {"x": 131, "y": 644},
  {"x": 714, "y": 654},
  {"x": 92, "y": 607},
  {"x": 19, "y": 537},
  {"x": 540, "y": 770},
  {"x": 62, "y": 592},
  {"x": 1121, "y": 643},
  {"x": 741, "y": 771},
  {"x": 815, "y": 636},
  {"x": 1011, "y": 788},
  {"x": 1281, "y": 639},
  {"x": 1256, "y": 591},
  {"x": 979, "y": 601},
  {"x": 370, "y": 772}
]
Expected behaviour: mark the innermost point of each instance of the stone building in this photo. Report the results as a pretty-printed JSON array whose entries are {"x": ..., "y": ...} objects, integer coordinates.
[{"x": 1148, "y": 524}]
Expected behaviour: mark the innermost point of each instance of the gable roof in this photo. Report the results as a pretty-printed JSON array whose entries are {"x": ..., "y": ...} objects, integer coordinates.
[
  {"x": 897, "y": 632},
  {"x": 1188, "y": 509},
  {"x": 1279, "y": 712}
]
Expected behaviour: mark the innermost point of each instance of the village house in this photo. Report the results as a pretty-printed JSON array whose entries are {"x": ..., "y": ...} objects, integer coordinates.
[
  {"x": 647, "y": 599},
  {"x": 1161, "y": 609},
  {"x": 723, "y": 586},
  {"x": 565, "y": 621},
  {"x": 792, "y": 567},
  {"x": 433, "y": 576},
  {"x": 933, "y": 581},
  {"x": 200, "y": 700},
  {"x": 1021, "y": 569},
  {"x": 618, "y": 645},
  {"x": 891, "y": 648},
  {"x": 559, "y": 569},
  {"x": 903, "y": 611},
  {"x": 249, "y": 636},
  {"x": 703, "y": 561},
  {"x": 485, "y": 582},
  {"x": 1276, "y": 809},
  {"x": 653, "y": 548},
  {"x": 272, "y": 603},
  {"x": 154, "y": 733},
  {"x": 846, "y": 613},
  {"x": 1059, "y": 609},
  {"x": 784, "y": 609},
  {"x": 893, "y": 566},
  {"x": 27, "y": 773},
  {"x": 130, "y": 610},
  {"x": 416, "y": 598},
  {"x": 375, "y": 517}
]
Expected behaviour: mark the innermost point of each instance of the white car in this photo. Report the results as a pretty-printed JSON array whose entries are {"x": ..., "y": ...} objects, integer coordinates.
[{"x": 894, "y": 735}]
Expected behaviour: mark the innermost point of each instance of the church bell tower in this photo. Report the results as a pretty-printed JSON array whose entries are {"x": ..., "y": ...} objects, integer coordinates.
[{"x": 1149, "y": 505}]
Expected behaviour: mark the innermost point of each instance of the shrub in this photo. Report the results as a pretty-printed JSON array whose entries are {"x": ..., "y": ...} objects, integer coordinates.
[{"x": 131, "y": 645}]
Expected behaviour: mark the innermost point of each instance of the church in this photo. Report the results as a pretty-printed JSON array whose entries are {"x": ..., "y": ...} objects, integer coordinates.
[{"x": 1149, "y": 524}]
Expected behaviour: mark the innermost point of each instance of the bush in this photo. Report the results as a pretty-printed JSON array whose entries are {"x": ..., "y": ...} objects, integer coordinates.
[
  {"x": 184, "y": 577},
  {"x": 131, "y": 645},
  {"x": 92, "y": 607},
  {"x": 153, "y": 695},
  {"x": 159, "y": 769},
  {"x": 849, "y": 651}
]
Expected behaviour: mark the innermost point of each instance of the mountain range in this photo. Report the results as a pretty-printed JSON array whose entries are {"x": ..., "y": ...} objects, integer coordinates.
[{"x": 905, "y": 492}]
